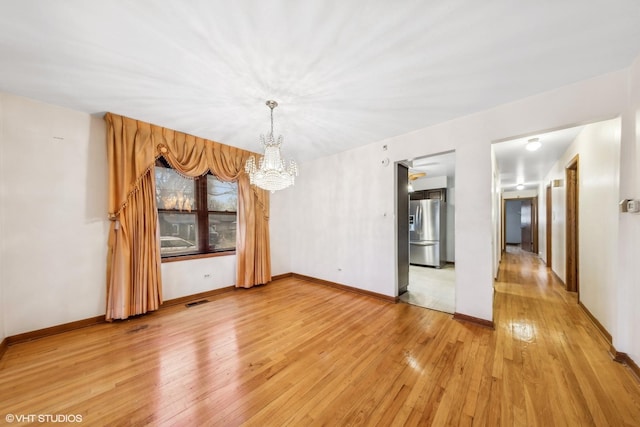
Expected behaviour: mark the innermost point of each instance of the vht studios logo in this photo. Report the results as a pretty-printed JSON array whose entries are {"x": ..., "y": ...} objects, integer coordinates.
[{"x": 43, "y": 418}]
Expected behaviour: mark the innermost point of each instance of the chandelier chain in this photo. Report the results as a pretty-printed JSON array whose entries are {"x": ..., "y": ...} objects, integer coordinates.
[{"x": 271, "y": 120}]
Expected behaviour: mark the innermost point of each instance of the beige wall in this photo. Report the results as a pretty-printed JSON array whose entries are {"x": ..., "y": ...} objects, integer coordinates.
[{"x": 53, "y": 176}]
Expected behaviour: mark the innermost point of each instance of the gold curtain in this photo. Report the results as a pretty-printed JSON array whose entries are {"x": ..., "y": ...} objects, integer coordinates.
[{"x": 133, "y": 266}]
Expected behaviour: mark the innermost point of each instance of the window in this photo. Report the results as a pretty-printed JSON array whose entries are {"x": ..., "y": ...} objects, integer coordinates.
[{"x": 195, "y": 216}]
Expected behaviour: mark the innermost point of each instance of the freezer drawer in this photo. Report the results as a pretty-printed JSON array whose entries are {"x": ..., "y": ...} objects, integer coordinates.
[{"x": 425, "y": 252}]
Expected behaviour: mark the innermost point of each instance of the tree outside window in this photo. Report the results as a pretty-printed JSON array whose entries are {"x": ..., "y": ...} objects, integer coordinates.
[{"x": 195, "y": 215}]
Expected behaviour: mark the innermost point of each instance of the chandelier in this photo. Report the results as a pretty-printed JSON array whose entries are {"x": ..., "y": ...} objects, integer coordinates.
[{"x": 271, "y": 172}]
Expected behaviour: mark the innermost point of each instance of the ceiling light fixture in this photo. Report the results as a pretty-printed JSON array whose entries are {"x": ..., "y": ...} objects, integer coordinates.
[
  {"x": 271, "y": 172},
  {"x": 520, "y": 187},
  {"x": 533, "y": 144}
]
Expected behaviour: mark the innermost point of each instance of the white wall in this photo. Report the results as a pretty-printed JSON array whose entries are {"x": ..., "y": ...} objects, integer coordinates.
[
  {"x": 342, "y": 206},
  {"x": 598, "y": 148},
  {"x": 182, "y": 278},
  {"x": 496, "y": 215},
  {"x": 53, "y": 219},
  {"x": 520, "y": 194},
  {"x": 281, "y": 232},
  {"x": 542, "y": 222},
  {"x": 342, "y": 218},
  {"x": 626, "y": 334},
  {"x": 429, "y": 183},
  {"x": 451, "y": 222}
]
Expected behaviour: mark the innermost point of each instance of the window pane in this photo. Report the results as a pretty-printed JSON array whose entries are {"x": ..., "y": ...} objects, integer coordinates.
[
  {"x": 178, "y": 233},
  {"x": 174, "y": 191},
  {"x": 222, "y": 231},
  {"x": 221, "y": 196}
]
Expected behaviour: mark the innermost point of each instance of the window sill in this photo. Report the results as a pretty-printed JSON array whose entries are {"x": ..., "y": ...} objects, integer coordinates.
[{"x": 197, "y": 256}]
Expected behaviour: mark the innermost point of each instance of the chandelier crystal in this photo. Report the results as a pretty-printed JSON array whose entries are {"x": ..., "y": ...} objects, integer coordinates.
[{"x": 271, "y": 172}]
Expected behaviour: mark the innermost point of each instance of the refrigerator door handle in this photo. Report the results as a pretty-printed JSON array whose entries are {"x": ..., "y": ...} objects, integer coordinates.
[{"x": 423, "y": 243}]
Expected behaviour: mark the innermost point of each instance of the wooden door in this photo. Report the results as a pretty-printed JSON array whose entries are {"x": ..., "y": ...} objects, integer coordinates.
[
  {"x": 572, "y": 227},
  {"x": 526, "y": 230}
]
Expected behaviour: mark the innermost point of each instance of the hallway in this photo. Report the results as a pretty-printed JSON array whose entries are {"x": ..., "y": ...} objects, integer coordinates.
[{"x": 550, "y": 359}]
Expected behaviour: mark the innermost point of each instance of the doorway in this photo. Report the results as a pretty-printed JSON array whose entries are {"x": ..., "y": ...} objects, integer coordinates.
[
  {"x": 429, "y": 230},
  {"x": 572, "y": 261},
  {"x": 521, "y": 223}
]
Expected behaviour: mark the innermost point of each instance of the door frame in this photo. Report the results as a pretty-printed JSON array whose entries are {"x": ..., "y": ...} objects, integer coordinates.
[
  {"x": 534, "y": 221},
  {"x": 549, "y": 205},
  {"x": 503, "y": 225},
  {"x": 402, "y": 227},
  {"x": 534, "y": 224},
  {"x": 572, "y": 260}
]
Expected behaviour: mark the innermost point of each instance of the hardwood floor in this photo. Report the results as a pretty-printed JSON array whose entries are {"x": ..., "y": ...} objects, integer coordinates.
[{"x": 297, "y": 353}]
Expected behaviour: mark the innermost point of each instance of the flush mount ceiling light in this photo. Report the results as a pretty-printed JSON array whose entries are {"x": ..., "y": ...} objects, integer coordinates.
[
  {"x": 533, "y": 144},
  {"x": 271, "y": 172},
  {"x": 520, "y": 187}
]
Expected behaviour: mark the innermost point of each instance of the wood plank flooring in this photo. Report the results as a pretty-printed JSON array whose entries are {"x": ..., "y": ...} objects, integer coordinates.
[{"x": 294, "y": 353}]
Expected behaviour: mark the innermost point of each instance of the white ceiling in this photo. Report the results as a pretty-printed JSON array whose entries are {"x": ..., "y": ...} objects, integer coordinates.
[
  {"x": 345, "y": 72},
  {"x": 519, "y": 166}
]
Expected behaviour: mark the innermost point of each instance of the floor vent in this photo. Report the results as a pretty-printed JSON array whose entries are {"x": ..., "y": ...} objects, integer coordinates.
[{"x": 191, "y": 304}]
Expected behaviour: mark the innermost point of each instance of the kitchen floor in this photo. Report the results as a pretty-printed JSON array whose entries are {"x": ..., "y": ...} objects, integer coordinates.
[{"x": 432, "y": 288}]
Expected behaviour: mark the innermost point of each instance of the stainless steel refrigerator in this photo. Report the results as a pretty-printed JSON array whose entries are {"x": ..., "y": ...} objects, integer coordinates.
[{"x": 427, "y": 232}]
